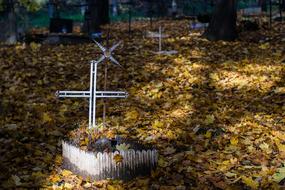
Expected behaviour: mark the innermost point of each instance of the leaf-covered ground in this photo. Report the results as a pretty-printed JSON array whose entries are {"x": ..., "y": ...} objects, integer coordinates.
[{"x": 215, "y": 111}]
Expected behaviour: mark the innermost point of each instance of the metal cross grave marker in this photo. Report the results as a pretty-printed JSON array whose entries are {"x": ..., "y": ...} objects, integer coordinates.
[
  {"x": 92, "y": 94},
  {"x": 159, "y": 35}
]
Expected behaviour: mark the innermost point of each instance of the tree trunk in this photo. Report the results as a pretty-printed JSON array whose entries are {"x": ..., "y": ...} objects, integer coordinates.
[
  {"x": 11, "y": 35},
  {"x": 114, "y": 7},
  {"x": 263, "y": 5},
  {"x": 161, "y": 8},
  {"x": 96, "y": 15},
  {"x": 223, "y": 22}
]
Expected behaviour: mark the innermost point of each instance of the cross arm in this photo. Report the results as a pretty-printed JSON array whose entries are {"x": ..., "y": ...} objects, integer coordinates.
[
  {"x": 115, "y": 61},
  {"x": 99, "y": 45},
  {"x": 115, "y": 46},
  {"x": 86, "y": 94},
  {"x": 72, "y": 94},
  {"x": 156, "y": 35},
  {"x": 111, "y": 94}
]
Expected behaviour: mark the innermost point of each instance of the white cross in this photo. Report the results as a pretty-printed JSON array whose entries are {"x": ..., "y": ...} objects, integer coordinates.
[
  {"x": 92, "y": 94},
  {"x": 159, "y": 35},
  {"x": 107, "y": 53}
]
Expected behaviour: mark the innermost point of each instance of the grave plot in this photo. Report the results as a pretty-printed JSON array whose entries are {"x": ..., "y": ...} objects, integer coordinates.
[{"x": 109, "y": 158}]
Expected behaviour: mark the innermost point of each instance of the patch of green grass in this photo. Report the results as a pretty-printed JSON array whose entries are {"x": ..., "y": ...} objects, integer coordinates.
[{"x": 41, "y": 19}]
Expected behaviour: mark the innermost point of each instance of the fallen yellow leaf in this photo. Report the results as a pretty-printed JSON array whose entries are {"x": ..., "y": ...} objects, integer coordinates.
[
  {"x": 279, "y": 175},
  {"x": 234, "y": 141},
  {"x": 118, "y": 158},
  {"x": 208, "y": 134},
  {"x": 66, "y": 173},
  {"x": 157, "y": 124},
  {"x": 250, "y": 182},
  {"x": 46, "y": 118},
  {"x": 132, "y": 115},
  {"x": 68, "y": 186},
  {"x": 209, "y": 119}
]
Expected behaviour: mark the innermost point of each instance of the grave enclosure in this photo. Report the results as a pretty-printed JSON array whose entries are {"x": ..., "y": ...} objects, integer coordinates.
[{"x": 137, "y": 160}]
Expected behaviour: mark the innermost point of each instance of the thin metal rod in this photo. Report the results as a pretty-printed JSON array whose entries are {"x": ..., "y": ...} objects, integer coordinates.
[
  {"x": 104, "y": 100},
  {"x": 94, "y": 96},
  {"x": 91, "y": 95},
  {"x": 105, "y": 79},
  {"x": 86, "y": 94},
  {"x": 116, "y": 95}
]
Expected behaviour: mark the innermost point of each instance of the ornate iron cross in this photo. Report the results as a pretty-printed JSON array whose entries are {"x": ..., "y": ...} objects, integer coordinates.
[{"x": 92, "y": 94}]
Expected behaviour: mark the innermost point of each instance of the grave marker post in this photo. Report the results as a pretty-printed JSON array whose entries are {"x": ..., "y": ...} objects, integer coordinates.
[
  {"x": 159, "y": 35},
  {"x": 93, "y": 94}
]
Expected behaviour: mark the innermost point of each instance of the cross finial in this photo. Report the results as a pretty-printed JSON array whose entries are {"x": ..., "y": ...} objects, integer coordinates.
[{"x": 108, "y": 52}]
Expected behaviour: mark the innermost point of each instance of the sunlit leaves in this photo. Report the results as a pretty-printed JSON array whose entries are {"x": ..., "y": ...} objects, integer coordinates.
[
  {"x": 250, "y": 182},
  {"x": 279, "y": 175},
  {"x": 234, "y": 141},
  {"x": 123, "y": 147},
  {"x": 66, "y": 173},
  {"x": 215, "y": 112},
  {"x": 157, "y": 124},
  {"x": 132, "y": 115}
]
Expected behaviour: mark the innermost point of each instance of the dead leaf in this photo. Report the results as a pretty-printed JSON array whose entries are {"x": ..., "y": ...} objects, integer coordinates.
[
  {"x": 66, "y": 173},
  {"x": 118, "y": 158},
  {"x": 16, "y": 180},
  {"x": 209, "y": 119},
  {"x": 250, "y": 182},
  {"x": 169, "y": 150}
]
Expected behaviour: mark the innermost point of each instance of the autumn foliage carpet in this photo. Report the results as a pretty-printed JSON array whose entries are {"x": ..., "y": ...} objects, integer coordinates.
[{"x": 215, "y": 111}]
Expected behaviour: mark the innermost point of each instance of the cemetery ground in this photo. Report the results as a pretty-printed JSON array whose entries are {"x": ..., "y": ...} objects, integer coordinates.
[{"x": 215, "y": 111}]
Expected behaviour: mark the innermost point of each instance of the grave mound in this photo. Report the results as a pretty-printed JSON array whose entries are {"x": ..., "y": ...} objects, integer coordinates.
[{"x": 103, "y": 158}]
